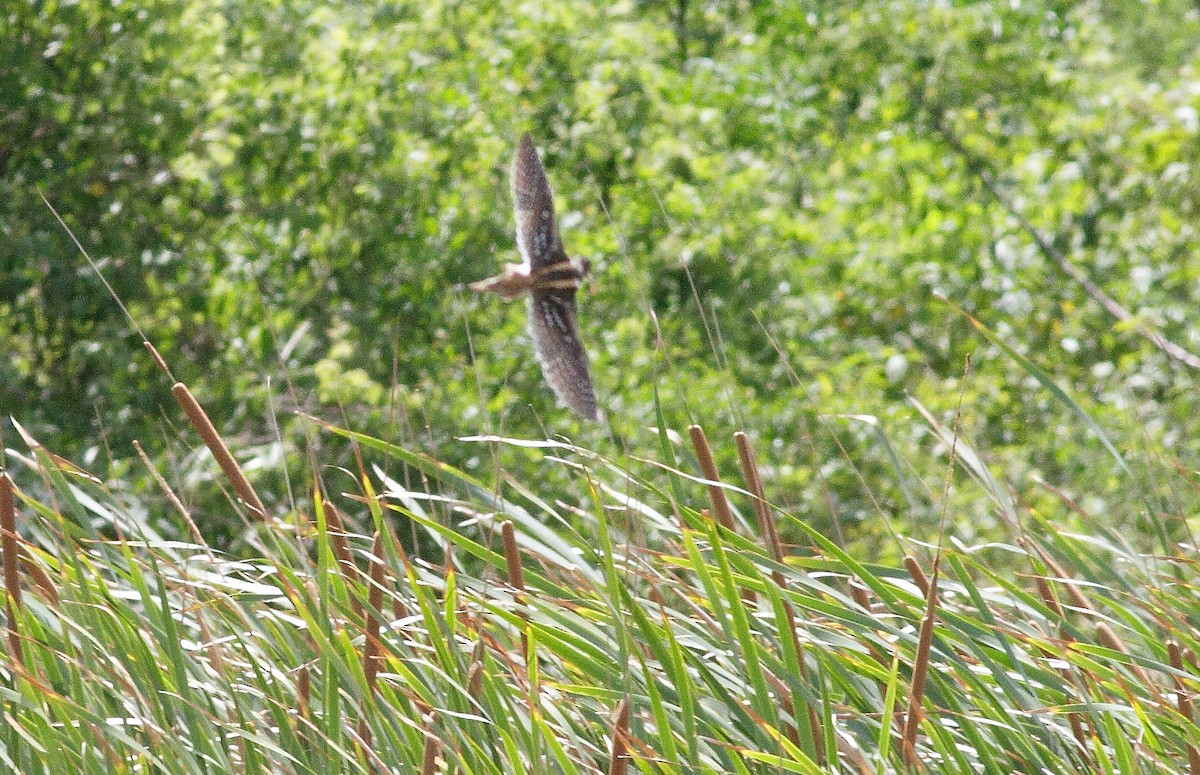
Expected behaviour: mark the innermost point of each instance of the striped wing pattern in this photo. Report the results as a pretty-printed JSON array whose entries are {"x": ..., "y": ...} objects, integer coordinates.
[
  {"x": 556, "y": 342},
  {"x": 554, "y": 280},
  {"x": 537, "y": 234}
]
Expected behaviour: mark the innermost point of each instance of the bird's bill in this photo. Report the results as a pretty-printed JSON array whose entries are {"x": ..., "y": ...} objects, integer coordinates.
[{"x": 510, "y": 284}]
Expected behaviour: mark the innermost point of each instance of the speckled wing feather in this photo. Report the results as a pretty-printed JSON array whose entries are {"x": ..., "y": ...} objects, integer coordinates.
[
  {"x": 556, "y": 341},
  {"x": 537, "y": 234},
  {"x": 554, "y": 279}
]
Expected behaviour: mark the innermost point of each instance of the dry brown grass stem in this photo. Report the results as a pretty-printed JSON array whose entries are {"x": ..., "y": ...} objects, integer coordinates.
[
  {"x": 1057, "y": 572},
  {"x": 475, "y": 671},
  {"x": 762, "y": 510},
  {"x": 784, "y": 692},
  {"x": 1184, "y": 700},
  {"x": 364, "y": 739},
  {"x": 708, "y": 469},
  {"x": 1106, "y": 636},
  {"x": 619, "y": 765},
  {"x": 337, "y": 537},
  {"x": 516, "y": 575},
  {"x": 12, "y": 577},
  {"x": 861, "y": 595},
  {"x": 814, "y": 721},
  {"x": 39, "y": 576},
  {"x": 216, "y": 445},
  {"x": 303, "y": 690},
  {"x": 170, "y": 495},
  {"x": 1047, "y": 595},
  {"x": 8, "y": 540},
  {"x": 770, "y": 531},
  {"x": 336, "y": 530},
  {"x": 1080, "y": 734},
  {"x": 371, "y": 644},
  {"x": 430, "y": 755},
  {"x": 918, "y": 575},
  {"x": 858, "y": 591},
  {"x": 159, "y": 361},
  {"x": 716, "y": 495},
  {"x": 512, "y": 558},
  {"x": 399, "y": 609},
  {"x": 916, "y": 694}
]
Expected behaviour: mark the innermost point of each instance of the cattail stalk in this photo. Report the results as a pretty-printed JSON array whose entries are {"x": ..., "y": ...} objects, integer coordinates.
[
  {"x": 708, "y": 469},
  {"x": 12, "y": 577},
  {"x": 216, "y": 445}
]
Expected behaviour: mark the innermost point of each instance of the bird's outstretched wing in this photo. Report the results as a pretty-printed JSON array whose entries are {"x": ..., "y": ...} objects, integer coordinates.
[
  {"x": 552, "y": 284},
  {"x": 556, "y": 341},
  {"x": 537, "y": 235}
]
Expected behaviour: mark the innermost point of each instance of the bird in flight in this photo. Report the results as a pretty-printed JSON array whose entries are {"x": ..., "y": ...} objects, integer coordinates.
[{"x": 550, "y": 278}]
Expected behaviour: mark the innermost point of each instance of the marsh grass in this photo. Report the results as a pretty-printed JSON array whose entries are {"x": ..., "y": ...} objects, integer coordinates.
[{"x": 545, "y": 638}]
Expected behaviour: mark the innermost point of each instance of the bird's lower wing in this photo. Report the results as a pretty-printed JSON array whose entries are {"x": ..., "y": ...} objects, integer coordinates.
[{"x": 563, "y": 359}]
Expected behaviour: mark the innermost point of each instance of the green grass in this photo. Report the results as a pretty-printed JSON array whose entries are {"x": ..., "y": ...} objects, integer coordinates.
[{"x": 338, "y": 651}]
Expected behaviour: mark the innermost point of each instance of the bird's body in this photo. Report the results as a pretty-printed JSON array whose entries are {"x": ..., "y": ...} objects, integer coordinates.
[
  {"x": 519, "y": 278},
  {"x": 550, "y": 279}
]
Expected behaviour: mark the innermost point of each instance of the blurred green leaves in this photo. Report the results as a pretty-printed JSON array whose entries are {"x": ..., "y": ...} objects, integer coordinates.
[{"x": 289, "y": 192}]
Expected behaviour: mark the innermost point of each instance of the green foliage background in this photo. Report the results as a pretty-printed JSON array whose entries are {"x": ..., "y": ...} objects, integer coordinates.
[{"x": 774, "y": 196}]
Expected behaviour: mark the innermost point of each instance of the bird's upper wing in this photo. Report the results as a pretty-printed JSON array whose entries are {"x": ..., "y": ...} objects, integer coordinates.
[
  {"x": 556, "y": 341},
  {"x": 537, "y": 235}
]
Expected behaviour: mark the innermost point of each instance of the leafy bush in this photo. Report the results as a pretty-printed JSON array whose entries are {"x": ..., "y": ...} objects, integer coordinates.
[{"x": 774, "y": 198}]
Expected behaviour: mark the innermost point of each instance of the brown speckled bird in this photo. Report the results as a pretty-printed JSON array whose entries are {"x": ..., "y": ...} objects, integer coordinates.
[{"x": 551, "y": 279}]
